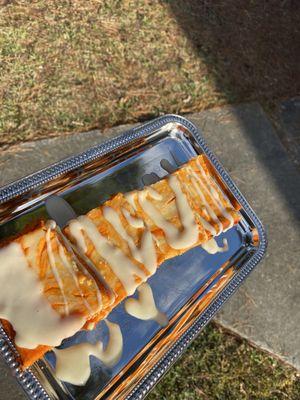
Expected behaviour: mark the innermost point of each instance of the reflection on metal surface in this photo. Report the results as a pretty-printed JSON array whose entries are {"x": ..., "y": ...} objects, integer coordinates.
[
  {"x": 73, "y": 363},
  {"x": 168, "y": 336}
]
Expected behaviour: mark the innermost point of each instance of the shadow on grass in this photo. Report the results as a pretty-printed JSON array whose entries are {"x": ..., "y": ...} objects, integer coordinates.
[{"x": 252, "y": 51}]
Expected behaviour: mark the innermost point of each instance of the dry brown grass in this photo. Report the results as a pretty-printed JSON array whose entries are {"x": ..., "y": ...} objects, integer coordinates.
[
  {"x": 73, "y": 65},
  {"x": 69, "y": 66}
]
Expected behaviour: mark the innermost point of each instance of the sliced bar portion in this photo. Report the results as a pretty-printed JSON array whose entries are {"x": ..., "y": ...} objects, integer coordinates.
[{"x": 47, "y": 293}]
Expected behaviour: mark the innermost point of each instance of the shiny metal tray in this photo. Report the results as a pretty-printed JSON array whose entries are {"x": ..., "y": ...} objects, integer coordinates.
[{"x": 190, "y": 289}]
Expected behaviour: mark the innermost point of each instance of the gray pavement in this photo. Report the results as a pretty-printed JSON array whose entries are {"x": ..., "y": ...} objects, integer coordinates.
[
  {"x": 266, "y": 308},
  {"x": 21, "y": 160},
  {"x": 286, "y": 116}
]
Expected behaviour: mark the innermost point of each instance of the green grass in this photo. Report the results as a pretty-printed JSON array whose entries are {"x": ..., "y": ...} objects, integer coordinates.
[{"x": 221, "y": 366}]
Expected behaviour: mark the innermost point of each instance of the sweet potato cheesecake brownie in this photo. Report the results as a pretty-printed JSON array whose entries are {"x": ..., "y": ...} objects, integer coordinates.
[
  {"x": 56, "y": 283},
  {"x": 47, "y": 294}
]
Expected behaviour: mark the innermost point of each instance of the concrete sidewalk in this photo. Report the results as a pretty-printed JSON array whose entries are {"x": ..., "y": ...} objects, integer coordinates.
[{"x": 266, "y": 309}]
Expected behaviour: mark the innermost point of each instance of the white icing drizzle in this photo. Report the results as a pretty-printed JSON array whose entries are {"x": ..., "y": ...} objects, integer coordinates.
[
  {"x": 133, "y": 221},
  {"x": 144, "y": 307},
  {"x": 52, "y": 225},
  {"x": 227, "y": 215},
  {"x": 146, "y": 254},
  {"x": 189, "y": 235},
  {"x": 76, "y": 231},
  {"x": 69, "y": 267},
  {"x": 73, "y": 363},
  {"x": 78, "y": 266},
  {"x": 23, "y": 304},
  {"x": 121, "y": 265},
  {"x": 130, "y": 197},
  {"x": 148, "y": 251},
  {"x": 176, "y": 238},
  {"x": 212, "y": 246},
  {"x": 198, "y": 185},
  {"x": 154, "y": 194},
  {"x": 216, "y": 197}
]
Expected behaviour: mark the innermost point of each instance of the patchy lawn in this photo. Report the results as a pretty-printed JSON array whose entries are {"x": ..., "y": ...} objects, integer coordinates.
[
  {"x": 86, "y": 64},
  {"x": 70, "y": 66},
  {"x": 220, "y": 366}
]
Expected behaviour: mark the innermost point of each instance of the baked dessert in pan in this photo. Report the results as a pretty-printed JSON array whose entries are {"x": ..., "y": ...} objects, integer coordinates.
[{"x": 76, "y": 277}]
